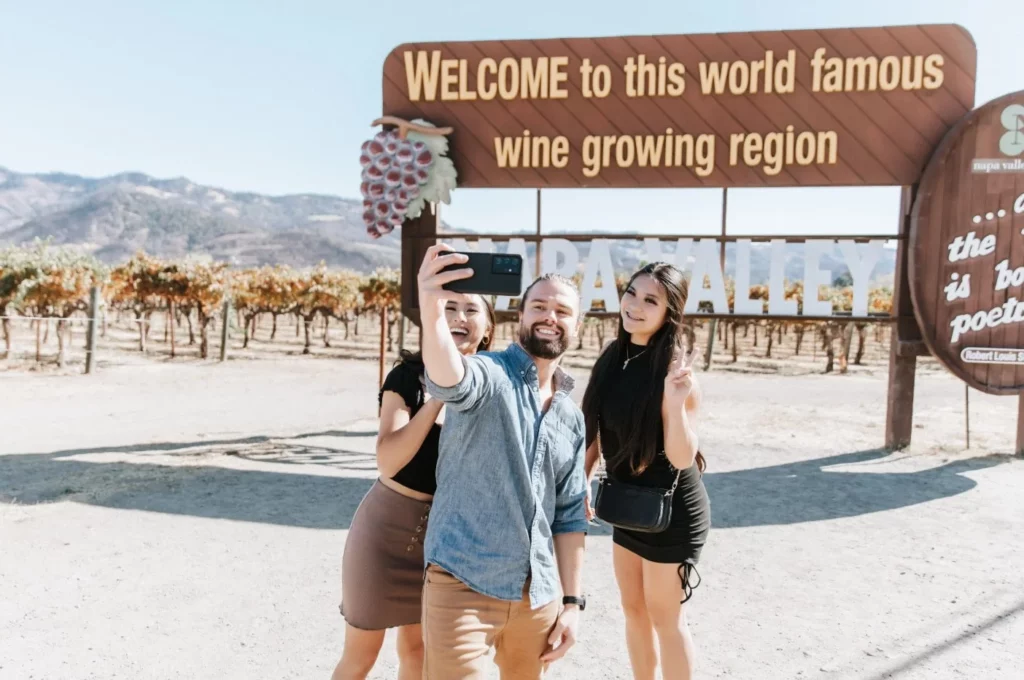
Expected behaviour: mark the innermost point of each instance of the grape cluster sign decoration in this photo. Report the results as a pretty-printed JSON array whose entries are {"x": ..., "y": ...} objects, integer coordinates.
[
  {"x": 403, "y": 169},
  {"x": 967, "y": 248}
]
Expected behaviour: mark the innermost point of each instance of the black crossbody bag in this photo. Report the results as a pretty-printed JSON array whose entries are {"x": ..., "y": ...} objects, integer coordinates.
[{"x": 628, "y": 506}]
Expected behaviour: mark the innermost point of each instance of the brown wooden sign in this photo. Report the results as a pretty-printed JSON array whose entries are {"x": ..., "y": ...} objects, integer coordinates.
[
  {"x": 967, "y": 248},
  {"x": 862, "y": 106}
]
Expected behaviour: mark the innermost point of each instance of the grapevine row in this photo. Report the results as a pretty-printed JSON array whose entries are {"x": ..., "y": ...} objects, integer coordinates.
[{"x": 49, "y": 282}]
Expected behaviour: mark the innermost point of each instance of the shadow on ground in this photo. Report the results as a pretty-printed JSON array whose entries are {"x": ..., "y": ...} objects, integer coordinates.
[
  {"x": 807, "y": 491},
  {"x": 790, "y": 493},
  {"x": 300, "y": 500}
]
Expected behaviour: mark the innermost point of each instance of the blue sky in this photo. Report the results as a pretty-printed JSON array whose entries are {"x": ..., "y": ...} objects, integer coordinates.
[{"x": 276, "y": 97}]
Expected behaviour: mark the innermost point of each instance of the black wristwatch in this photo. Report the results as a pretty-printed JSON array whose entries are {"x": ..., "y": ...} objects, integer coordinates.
[{"x": 581, "y": 602}]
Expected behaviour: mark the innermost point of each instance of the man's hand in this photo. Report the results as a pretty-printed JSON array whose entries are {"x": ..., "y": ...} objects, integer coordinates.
[
  {"x": 563, "y": 635},
  {"x": 430, "y": 278}
]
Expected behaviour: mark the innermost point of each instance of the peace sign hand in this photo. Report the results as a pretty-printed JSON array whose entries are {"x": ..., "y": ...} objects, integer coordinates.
[{"x": 679, "y": 380}]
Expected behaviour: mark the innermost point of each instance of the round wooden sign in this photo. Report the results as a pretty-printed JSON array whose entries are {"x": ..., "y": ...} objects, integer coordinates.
[{"x": 967, "y": 248}]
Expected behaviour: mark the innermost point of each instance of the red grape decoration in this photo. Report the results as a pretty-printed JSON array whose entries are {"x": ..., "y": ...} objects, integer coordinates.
[{"x": 403, "y": 169}]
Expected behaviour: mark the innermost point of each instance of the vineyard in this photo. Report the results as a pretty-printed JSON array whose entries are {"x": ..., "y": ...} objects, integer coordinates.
[{"x": 155, "y": 308}]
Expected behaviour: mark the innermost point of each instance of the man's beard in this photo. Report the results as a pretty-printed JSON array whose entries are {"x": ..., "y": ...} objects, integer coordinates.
[{"x": 543, "y": 348}]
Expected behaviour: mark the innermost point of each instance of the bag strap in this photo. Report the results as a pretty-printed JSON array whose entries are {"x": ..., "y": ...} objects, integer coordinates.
[{"x": 672, "y": 491}]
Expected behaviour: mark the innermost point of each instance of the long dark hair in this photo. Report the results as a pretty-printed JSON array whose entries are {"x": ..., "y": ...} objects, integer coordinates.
[
  {"x": 639, "y": 431},
  {"x": 415, "y": 359}
]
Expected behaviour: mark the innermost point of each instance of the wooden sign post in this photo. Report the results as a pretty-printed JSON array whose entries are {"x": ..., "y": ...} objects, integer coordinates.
[
  {"x": 835, "y": 107},
  {"x": 905, "y": 342}
]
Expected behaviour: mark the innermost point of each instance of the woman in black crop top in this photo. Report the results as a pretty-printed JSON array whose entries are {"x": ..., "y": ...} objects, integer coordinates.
[
  {"x": 643, "y": 399},
  {"x": 382, "y": 568}
]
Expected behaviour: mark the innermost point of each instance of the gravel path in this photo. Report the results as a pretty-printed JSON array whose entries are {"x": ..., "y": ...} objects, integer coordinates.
[{"x": 187, "y": 521}]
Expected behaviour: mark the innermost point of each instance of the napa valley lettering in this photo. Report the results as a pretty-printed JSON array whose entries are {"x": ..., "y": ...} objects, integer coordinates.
[{"x": 708, "y": 281}]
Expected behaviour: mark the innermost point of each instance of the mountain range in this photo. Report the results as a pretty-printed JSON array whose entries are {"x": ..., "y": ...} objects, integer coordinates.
[{"x": 114, "y": 217}]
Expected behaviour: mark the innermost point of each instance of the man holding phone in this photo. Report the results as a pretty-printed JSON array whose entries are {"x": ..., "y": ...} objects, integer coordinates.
[{"x": 504, "y": 550}]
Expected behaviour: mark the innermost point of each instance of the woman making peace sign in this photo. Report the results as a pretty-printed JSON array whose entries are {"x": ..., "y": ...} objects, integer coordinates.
[{"x": 641, "y": 408}]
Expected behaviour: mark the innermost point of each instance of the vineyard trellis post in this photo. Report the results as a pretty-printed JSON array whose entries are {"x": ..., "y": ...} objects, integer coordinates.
[
  {"x": 225, "y": 322},
  {"x": 90, "y": 341},
  {"x": 171, "y": 321}
]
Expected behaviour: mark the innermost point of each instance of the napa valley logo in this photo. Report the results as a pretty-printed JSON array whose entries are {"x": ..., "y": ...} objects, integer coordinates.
[
  {"x": 1010, "y": 158},
  {"x": 1011, "y": 142}
]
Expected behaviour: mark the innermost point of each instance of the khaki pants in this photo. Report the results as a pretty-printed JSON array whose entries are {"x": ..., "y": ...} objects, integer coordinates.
[{"x": 460, "y": 626}]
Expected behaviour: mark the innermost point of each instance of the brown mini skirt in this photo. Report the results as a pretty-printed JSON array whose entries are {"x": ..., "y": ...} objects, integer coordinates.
[{"x": 382, "y": 566}]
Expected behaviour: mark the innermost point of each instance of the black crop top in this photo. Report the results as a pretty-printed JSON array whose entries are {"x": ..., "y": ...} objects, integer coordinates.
[{"x": 419, "y": 473}]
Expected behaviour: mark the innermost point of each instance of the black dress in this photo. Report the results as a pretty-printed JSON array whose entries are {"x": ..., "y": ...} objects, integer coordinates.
[
  {"x": 683, "y": 540},
  {"x": 419, "y": 474}
]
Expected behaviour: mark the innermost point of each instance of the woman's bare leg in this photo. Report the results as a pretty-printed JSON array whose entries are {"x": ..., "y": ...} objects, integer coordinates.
[
  {"x": 359, "y": 655},
  {"x": 410, "y": 652},
  {"x": 643, "y": 655},
  {"x": 663, "y": 592}
]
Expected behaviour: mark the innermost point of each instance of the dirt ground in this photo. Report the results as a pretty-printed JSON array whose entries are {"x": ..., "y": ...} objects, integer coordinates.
[{"x": 186, "y": 520}]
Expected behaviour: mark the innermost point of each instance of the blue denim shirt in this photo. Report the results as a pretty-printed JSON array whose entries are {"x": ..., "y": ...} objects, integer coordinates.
[{"x": 509, "y": 477}]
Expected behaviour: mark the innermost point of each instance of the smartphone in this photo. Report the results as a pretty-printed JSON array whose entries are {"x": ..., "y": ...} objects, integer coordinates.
[{"x": 493, "y": 274}]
